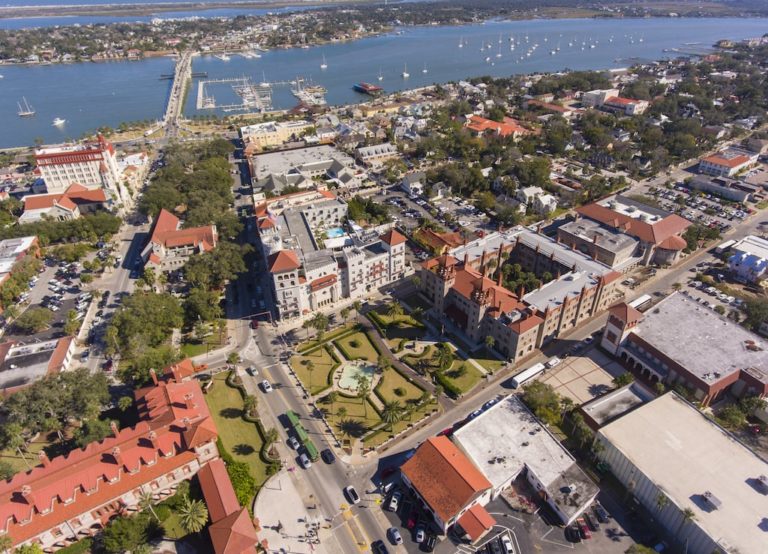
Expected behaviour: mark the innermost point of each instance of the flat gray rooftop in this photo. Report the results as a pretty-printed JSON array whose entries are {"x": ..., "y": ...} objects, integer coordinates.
[
  {"x": 707, "y": 344},
  {"x": 686, "y": 454},
  {"x": 295, "y": 225},
  {"x": 554, "y": 293},
  {"x": 608, "y": 407},
  {"x": 604, "y": 237},
  {"x": 286, "y": 160},
  {"x": 506, "y": 438}
]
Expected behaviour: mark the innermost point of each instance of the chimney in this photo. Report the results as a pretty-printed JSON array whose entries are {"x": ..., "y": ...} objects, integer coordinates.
[
  {"x": 482, "y": 263},
  {"x": 188, "y": 401},
  {"x": 153, "y": 374},
  {"x": 498, "y": 264},
  {"x": 522, "y": 291},
  {"x": 176, "y": 373},
  {"x": 539, "y": 228},
  {"x": 466, "y": 259},
  {"x": 558, "y": 238},
  {"x": 153, "y": 439},
  {"x": 113, "y": 426},
  {"x": 44, "y": 459},
  {"x": 117, "y": 455},
  {"x": 26, "y": 493},
  {"x": 187, "y": 423}
]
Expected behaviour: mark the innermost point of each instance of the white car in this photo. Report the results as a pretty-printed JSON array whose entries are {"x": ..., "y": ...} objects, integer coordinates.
[
  {"x": 553, "y": 362},
  {"x": 266, "y": 386},
  {"x": 506, "y": 543},
  {"x": 394, "y": 502},
  {"x": 293, "y": 443}
]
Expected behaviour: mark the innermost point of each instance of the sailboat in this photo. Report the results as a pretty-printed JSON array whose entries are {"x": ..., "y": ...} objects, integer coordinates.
[
  {"x": 405, "y": 71},
  {"x": 264, "y": 82},
  {"x": 498, "y": 55},
  {"x": 59, "y": 122},
  {"x": 425, "y": 68},
  {"x": 380, "y": 77},
  {"x": 324, "y": 65},
  {"x": 26, "y": 110},
  {"x": 461, "y": 42}
]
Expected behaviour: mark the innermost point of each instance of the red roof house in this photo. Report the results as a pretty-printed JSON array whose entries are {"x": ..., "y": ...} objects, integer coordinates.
[{"x": 172, "y": 246}]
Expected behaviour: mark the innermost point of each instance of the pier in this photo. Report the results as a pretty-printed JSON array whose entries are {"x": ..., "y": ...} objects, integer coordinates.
[
  {"x": 254, "y": 96},
  {"x": 181, "y": 75}
]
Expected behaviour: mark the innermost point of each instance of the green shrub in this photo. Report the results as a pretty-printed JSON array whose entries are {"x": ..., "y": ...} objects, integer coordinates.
[
  {"x": 399, "y": 391},
  {"x": 448, "y": 386}
]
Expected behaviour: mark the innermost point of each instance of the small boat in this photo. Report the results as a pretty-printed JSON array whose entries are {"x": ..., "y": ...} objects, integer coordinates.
[
  {"x": 26, "y": 110},
  {"x": 425, "y": 70},
  {"x": 324, "y": 65},
  {"x": 405, "y": 73},
  {"x": 58, "y": 122},
  {"x": 461, "y": 42},
  {"x": 223, "y": 57},
  {"x": 2, "y": 76},
  {"x": 367, "y": 88},
  {"x": 488, "y": 58},
  {"x": 380, "y": 77}
]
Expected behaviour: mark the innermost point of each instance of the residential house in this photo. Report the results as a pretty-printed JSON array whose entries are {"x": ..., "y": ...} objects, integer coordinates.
[{"x": 170, "y": 246}]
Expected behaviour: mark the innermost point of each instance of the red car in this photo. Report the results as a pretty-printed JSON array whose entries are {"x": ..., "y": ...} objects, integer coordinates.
[
  {"x": 412, "y": 519},
  {"x": 583, "y": 529}
]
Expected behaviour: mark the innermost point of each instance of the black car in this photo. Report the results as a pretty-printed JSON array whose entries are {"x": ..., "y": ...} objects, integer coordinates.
[
  {"x": 429, "y": 543},
  {"x": 592, "y": 522},
  {"x": 379, "y": 547},
  {"x": 573, "y": 533},
  {"x": 600, "y": 513},
  {"x": 495, "y": 547},
  {"x": 327, "y": 456}
]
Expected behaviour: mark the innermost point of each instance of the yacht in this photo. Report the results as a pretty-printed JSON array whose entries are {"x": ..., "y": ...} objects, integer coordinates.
[
  {"x": 25, "y": 110},
  {"x": 405, "y": 72},
  {"x": 324, "y": 65},
  {"x": 223, "y": 57},
  {"x": 58, "y": 122}
]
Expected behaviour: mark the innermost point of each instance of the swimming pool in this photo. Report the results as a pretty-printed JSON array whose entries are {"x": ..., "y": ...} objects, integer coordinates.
[{"x": 334, "y": 233}]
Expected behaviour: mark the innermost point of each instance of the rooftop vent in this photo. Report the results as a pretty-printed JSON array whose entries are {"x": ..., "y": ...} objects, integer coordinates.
[
  {"x": 763, "y": 480},
  {"x": 712, "y": 499}
]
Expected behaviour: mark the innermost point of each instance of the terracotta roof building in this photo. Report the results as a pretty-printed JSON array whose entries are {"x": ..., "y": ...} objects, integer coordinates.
[
  {"x": 445, "y": 480},
  {"x": 654, "y": 228},
  {"x": 73, "y": 496},
  {"x": 170, "y": 246},
  {"x": 506, "y": 128},
  {"x": 71, "y": 204},
  {"x": 466, "y": 298},
  {"x": 727, "y": 163}
]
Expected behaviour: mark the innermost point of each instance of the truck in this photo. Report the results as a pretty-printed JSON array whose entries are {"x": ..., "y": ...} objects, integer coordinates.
[{"x": 527, "y": 374}]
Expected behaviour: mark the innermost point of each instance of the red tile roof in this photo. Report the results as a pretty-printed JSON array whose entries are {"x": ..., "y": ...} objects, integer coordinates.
[
  {"x": 730, "y": 162},
  {"x": 231, "y": 530},
  {"x": 508, "y": 127},
  {"x": 625, "y": 313},
  {"x": 322, "y": 282},
  {"x": 444, "y": 477},
  {"x": 284, "y": 260},
  {"x": 393, "y": 237},
  {"x": 673, "y": 243},
  {"x": 166, "y": 232},
  {"x": 654, "y": 233},
  {"x": 438, "y": 241},
  {"x": 476, "y": 522},
  {"x": 66, "y": 486},
  {"x": 618, "y": 100},
  {"x": 75, "y": 194}
]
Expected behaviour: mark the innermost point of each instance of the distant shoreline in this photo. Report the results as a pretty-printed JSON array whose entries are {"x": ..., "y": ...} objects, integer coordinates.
[{"x": 19, "y": 12}]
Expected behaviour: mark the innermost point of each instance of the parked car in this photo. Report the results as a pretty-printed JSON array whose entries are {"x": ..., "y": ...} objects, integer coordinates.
[
  {"x": 378, "y": 547},
  {"x": 553, "y": 362},
  {"x": 429, "y": 544},
  {"x": 394, "y": 535},
  {"x": 394, "y": 502},
  {"x": 583, "y": 529},
  {"x": 592, "y": 522},
  {"x": 573, "y": 533},
  {"x": 420, "y": 533},
  {"x": 351, "y": 494},
  {"x": 293, "y": 443},
  {"x": 266, "y": 386},
  {"x": 600, "y": 513}
]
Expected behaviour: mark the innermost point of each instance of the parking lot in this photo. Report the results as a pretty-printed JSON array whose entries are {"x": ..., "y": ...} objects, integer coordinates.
[{"x": 526, "y": 531}]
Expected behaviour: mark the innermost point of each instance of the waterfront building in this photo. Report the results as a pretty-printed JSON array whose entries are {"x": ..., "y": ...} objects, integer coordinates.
[
  {"x": 596, "y": 98},
  {"x": 273, "y": 133},
  {"x": 314, "y": 262},
  {"x": 90, "y": 164},
  {"x": 170, "y": 246},
  {"x": 673, "y": 458},
  {"x": 73, "y": 496},
  {"x": 682, "y": 343}
]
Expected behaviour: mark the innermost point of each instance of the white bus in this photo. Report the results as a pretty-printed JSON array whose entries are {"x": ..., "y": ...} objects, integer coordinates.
[
  {"x": 641, "y": 302},
  {"x": 526, "y": 375}
]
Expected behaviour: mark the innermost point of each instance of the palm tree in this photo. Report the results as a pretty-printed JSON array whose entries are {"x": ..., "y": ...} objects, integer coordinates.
[
  {"x": 395, "y": 310},
  {"x": 271, "y": 435},
  {"x": 147, "y": 502},
  {"x": 357, "y": 305},
  {"x": 124, "y": 403},
  {"x": 345, "y": 313},
  {"x": 416, "y": 280},
  {"x": 444, "y": 357},
  {"x": 250, "y": 404},
  {"x": 310, "y": 368},
  {"x": 661, "y": 501},
  {"x": 490, "y": 342},
  {"x": 438, "y": 391},
  {"x": 333, "y": 396},
  {"x": 392, "y": 413},
  {"x": 363, "y": 389},
  {"x": 193, "y": 515},
  {"x": 384, "y": 362},
  {"x": 307, "y": 325},
  {"x": 688, "y": 516}
]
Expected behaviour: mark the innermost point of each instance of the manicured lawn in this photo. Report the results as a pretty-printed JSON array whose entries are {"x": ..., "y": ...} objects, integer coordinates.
[
  {"x": 392, "y": 381},
  {"x": 412, "y": 419},
  {"x": 401, "y": 327},
  {"x": 358, "y": 346},
  {"x": 13, "y": 458},
  {"x": 323, "y": 364},
  {"x": 486, "y": 359},
  {"x": 172, "y": 526},
  {"x": 416, "y": 361},
  {"x": 357, "y": 420},
  {"x": 240, "y": 437},
  {"x": 468, "y": 380},
  {"x": 191, "y": 347}
]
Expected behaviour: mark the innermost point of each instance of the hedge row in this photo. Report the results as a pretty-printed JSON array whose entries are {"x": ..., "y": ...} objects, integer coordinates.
[
  {"x": 375, "y": 318},
  {"x": 328, "y": 337},
  {"x": 349, "y": 356},
  {"x": 450, "y": 389}
]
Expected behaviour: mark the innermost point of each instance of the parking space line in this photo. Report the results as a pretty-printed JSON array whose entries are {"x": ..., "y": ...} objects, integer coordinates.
[{"x": 558, "y": 543}]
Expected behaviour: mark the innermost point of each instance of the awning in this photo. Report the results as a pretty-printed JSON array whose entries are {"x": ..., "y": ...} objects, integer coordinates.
[{"x": 476, "y": 522}]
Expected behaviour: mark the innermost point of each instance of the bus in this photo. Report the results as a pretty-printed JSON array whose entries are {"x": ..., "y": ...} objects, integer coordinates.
[
  {"x": 292, "y": 418},
  {"x": 301, "y": 433},
  {"x": 526, "y": 375},
  {"x": 311, "y": 449},
  {"x": 641, "y": 302}
]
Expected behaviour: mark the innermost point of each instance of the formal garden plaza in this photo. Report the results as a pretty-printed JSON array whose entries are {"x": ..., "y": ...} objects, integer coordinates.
[{"x": 377, "y": 378}]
